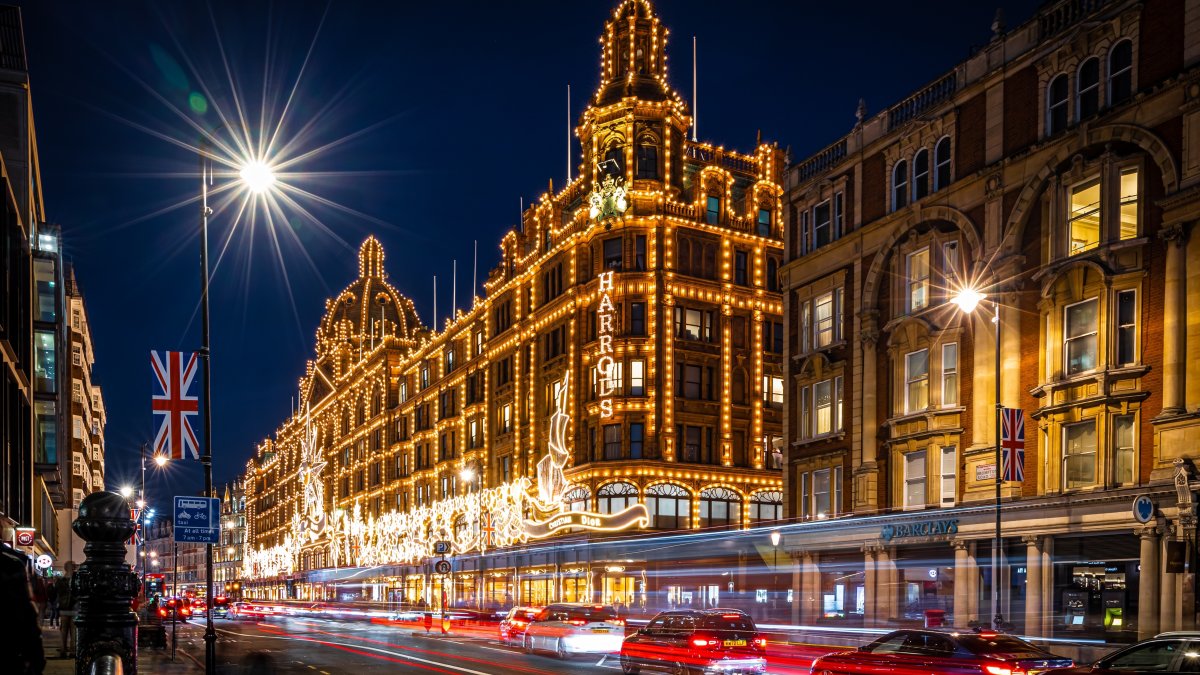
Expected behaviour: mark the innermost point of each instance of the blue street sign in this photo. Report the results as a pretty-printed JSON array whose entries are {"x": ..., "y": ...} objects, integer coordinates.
[{"x": 198, "y": 520}]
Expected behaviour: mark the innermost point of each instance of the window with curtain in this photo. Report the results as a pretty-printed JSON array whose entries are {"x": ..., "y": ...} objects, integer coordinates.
[
  {"x": 1079, "y": 337},
  {"x": 1084, "y": 218},
  {"x": 1125, "y": 457},
  {"x": 917, "y": 275},
  {"x": 914, "y": 479},
  {"x": 950, "y": 375},
  {"x": 949, "y": 468},
  {"x": 1079, "y": 455},
  {"x": 916, "y": 381}
]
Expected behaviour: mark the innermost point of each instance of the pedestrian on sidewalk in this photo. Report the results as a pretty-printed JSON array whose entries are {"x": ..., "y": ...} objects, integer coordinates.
[
  {"x": 38, "y": 586},
  {"x": 68, "y": 604},
  {"x": 18, "y": 618},
  {"x": 52, "y": 601}
]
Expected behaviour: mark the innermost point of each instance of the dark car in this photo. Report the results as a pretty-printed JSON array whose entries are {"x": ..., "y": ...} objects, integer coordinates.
[
  {"x": 696, "y": 641},
  {"x": 937, "y": 652},
  {"x": 1167, "y": 653},
  {"x": 221, "y": 606},
  {"x": 179, "y": 609},
  {"x": 512, "y": 627}
]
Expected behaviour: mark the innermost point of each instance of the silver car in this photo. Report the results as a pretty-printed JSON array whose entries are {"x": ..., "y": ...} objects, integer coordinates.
[{"x": 568, "y": 628}]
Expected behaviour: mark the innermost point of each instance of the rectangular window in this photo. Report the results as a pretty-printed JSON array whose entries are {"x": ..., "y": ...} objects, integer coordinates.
[
  {"x": 1083, "y": 225},
  {"x": 823, "y": 310},
  {"x": 637, "y": 436},
  {"x": 1126, "y": 327},
  {"x": 1079, "y": 337},
  {"x": 614, "y": 257},
  {"x": 506, "y": 468},
  {"x": 478, "y": 342},
  {"x": 821, "y": 493},
  {"x": 691, "y": 445},
  {"x": 403, "y": 391},
  {"x": 473, "y": 434},
  {"x": 612, "y": 441},
  {"x": 505, "y": 418},
  {"x": 1129, "y": 203},
  {"x": 47, "y": 290},
  {"x": 822, "y": 224},
  {"x": 616, "y": 377},
  {"x": 918, "y": 280},
  {"x": 712, "y": 212},
  {"x": 916, "y": 381},
  {"x": 637, "y": 377},
  {"x": 740, "y": 259},
  {"x": 773, "y": 390},
  {"x": 639, "y": 253},
  {"x": 914, "y": 480},
  {"x": 1123, "y": 449},
  {"x": 424, "y": 376},
  {"x": 837, "y": 403},
  {"x": 637, "y": 318},
  {"x": 45, "y": 365},
  {"x": 764, "y": 222},
  {"x": 691, "y": 381},
  {"x": 950, "y": 375},
  {"x": 806, "y": 326},
  {"x": 805, "y": 497},
  {"x": 950, "y": 267},
  {"x": 823, "y": 406},
  {"x": 949, "y": 466},
  {"x": 839, "y": 216},
  {"x": 1079, "y": 455},
  {"x": 692, "y": 324}
]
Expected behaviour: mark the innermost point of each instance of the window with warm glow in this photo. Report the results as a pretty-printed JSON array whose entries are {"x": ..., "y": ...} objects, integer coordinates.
[
  {"x": 1079, "y": 455},
  {"x": 916, "y": 381},
  {"x": 1129, "y": 203},
  {"x": 1079, "y": 337},
  {"x": 1084, "y": 219},
  {"x": 949, "y": 468},
  {"x": 917, "y": 275},
  {"x": 914, "y": 480},
  {"x": 1124, "y": 462},
  {"x": 637, "y": 377},
  {"x": 950, "y": 375}
]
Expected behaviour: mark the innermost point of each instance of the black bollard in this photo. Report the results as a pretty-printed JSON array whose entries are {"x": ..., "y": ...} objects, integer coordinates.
[{"x": 106, "y": 625}]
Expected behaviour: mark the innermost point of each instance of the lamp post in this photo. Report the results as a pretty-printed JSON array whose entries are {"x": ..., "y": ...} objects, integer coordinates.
[
  {"x": 258, "y": 177},
  {"x": 968, "y": 300},
  {"x": 775, "y": 536}
]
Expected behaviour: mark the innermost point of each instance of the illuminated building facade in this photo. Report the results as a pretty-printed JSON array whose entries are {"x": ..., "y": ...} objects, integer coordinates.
[
  {"x": 1058, "y": 171},
  {"x": 227, "y": 556},
  {"x": 623, "y": 370}
]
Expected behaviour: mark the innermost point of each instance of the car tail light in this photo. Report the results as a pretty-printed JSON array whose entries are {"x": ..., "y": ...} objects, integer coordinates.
[
  {"x": 619, "y": 622},
  {"x": 519, "y": 622},
  {"x": 700, "y": 641},
  {"x": 576, "y": 622},
  {"x": 760, "y": 642},
  {"x": 162, "y": 612},
  {"x": 1002, "y": 670}
]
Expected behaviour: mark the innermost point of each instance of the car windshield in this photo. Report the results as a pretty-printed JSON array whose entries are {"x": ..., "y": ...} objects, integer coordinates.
[{"x": 996, "y": 644}]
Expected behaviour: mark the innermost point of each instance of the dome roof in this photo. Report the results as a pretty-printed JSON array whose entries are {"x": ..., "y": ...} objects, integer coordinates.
[
  {"x": 368, "y": 307},
  {"x": 633, "y": 56}
]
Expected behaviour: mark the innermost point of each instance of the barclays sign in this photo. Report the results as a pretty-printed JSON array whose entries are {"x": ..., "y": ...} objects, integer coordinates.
[{"x": 921, "y": 528}]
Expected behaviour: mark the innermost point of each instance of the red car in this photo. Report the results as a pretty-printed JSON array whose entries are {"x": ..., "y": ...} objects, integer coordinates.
[
  {"x": 937, "y": 652},
  {"x": 696, "y": 641},
  {"x": 513, "y": 625}
]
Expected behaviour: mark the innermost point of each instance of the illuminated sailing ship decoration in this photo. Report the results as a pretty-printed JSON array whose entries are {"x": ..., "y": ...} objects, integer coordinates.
[{"x": 479, "y": 521}]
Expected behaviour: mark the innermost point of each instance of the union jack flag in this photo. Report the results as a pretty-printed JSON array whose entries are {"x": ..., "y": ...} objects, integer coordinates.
[
  {"x": 1012, "y": 444},
  {"x": 487, "y": 531},
  {"x": 173, "y": 377}
]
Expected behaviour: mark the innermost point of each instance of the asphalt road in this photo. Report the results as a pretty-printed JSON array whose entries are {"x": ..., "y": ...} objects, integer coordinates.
[{"x": 327, "y": 647}]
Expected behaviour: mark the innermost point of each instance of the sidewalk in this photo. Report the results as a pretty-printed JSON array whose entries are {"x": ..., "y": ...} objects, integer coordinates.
[{"x": 149, "y": 660}]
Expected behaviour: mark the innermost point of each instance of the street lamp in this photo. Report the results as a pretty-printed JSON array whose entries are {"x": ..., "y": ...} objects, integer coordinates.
[
  {"x": 161, "y": 460},
  {"x": 467, "y": 476},
  {"x": 126, "y": 491},
  {"x": 968, "y": 300},
  {"x": 775, "y": 537}
]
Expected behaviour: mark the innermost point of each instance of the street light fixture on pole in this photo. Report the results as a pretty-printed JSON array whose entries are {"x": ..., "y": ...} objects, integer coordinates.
[{"x": 968, "y": 300}]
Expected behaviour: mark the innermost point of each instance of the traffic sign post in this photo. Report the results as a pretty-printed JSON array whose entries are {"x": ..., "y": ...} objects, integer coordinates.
[{"x": 198, "y": 520}]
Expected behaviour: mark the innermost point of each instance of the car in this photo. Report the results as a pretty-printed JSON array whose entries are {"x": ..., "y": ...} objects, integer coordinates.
[
  {"x": 512, "y": 626},
  {"x": 1175, "y": 652},
  {"x": 247, "y": 610},
  {"x": 696, "y": 641},
  {"x": 931, "y": 652},
  {"x": 178, "y": 609},
  {"x": 220, "y": 606},
  {"x": 568, "y": 628}
]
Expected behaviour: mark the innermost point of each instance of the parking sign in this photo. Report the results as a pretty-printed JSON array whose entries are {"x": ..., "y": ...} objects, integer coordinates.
[{"x": 198, "y": 520}]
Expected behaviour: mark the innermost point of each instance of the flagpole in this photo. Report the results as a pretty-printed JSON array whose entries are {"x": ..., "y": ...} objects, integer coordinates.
[
  {"x": 210, "y": 634},
  {"x": 997, "y": 556}
]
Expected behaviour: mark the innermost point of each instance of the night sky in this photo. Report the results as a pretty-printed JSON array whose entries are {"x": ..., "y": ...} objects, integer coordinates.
[{"x": 441, "y": 116}]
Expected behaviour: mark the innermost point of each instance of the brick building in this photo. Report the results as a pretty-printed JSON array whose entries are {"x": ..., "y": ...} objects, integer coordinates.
[
  {"x": 1056, "y": 171},
  {"x": 640, "y": 303}
]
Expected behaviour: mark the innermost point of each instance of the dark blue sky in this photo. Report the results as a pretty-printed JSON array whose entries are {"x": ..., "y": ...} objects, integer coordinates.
[{"x": 453, "y": 111}]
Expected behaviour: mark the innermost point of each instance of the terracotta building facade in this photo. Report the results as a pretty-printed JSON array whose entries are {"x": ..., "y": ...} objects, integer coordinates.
[
  {"x": 626, "y": 358},
  {"x": 1056, "y": 172}
]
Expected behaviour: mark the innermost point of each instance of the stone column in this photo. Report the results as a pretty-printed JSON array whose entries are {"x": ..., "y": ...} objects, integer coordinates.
[
  {"x": 962, "y": 584},
  {"x": 972, "y": 584},
  {"x": 813, "y": 599},
  {"x": 1167, "y": 617},
  {"x": 883, "y": 586},
  {"x": 1174, "y": 321},
  {"x": 866, "y": 473},
  {"x": 1033, "y": 584},
  {"x": 1148, "y": 583},
  {"x": 1048, "y": 585},
  {"x": 869, "y": 585}
]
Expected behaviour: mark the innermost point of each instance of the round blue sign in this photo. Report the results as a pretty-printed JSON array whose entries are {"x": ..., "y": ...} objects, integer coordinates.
[{"x": 1143, "y": 508}]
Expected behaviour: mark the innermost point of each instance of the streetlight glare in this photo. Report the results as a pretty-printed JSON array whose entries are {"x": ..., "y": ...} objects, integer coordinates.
[
  {"x": 775, "y": 538},
  {"x": 141, "y": 503},
  {"x": 126, "y": 492},
  {"x": 257, "y": 176},
  {"x": 968, "y": 299},
  {"x": 467, "y": 475},
  {"x": 161, "y": 460}
]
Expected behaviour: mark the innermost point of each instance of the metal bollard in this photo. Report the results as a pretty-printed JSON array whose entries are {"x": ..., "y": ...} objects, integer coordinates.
[{"x": 106, "y": 626}]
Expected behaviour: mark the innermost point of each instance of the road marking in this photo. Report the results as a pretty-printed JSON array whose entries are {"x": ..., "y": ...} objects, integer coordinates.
[
  {"x": 324, "y": 672},
  {"x": 312, "y": 667}
]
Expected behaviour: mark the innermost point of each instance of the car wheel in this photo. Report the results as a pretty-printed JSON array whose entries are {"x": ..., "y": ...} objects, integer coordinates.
[
  {"x": 680, "y": 669},
  {"x": 560, "y": 649},
  {"x": 527, "y": 645},
  {"x": 628, "y": 668}
]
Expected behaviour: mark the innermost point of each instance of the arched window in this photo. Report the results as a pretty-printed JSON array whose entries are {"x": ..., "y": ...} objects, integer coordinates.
[
  {"x": 899, "y": 185},
  {"x": 460, "y": 529},
  {"x": 1088, "y": 101},
  {"x": 766, "y": 505},
  {"x": 670, "y": 506},
  {"x": 920, "y": 174},
  {"x": 616, "y": 497},
  {"x": 684, "y": 258},
  {"x": 614, "y": 162},
  {"x": 720, "y": 507},
  {"x": 941, "y": 164},
  {"x": 1120, "y": 72},
  {"x": 1056, "y": 105},
  {"x": 647, "y": 157},
  {"x": 579, "y": 498}
]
